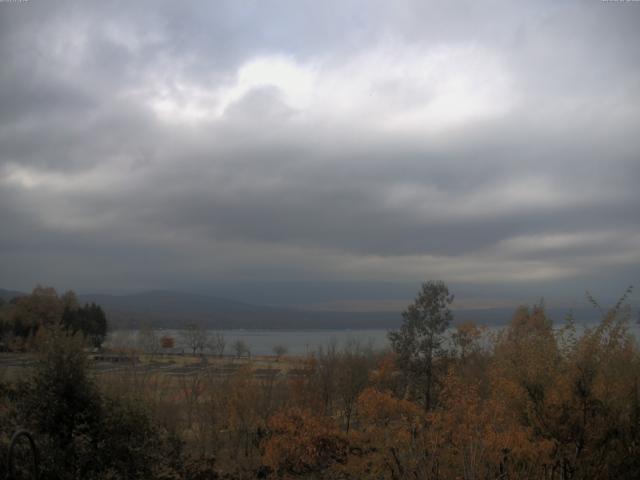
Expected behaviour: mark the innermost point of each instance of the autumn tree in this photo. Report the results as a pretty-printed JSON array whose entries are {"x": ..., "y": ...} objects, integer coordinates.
[
  {"x": 467, "y": 338},
  {"x": 387, "y": 376},
  {"x": 527, "y": 355},
  {"x": 352, "y": 376},
  {"x": 241, "y": 348},
  {"x": 470, "y": 351},
  {"x": 472, "y": 435},
  {"x": 390, "y": 441},
  {"x": 41, "y": 308},
  {"x": 577, "y": 393},
  {"x": 325, "y": 375},
  {"x": 279, "y": 351},
  {"x": 44, "y": 308},
  {"x": 418, "y": 343},
  {"x": 217, "y": 344},
  {"x": 242, "y": 405},
  {"x": 195, "y": 337},
  {"x": 148, "y": 340},
  {"x": 598, "y": 394},
  {"x": 167, "y": 342},
  {"x": 301, "y": 442}
]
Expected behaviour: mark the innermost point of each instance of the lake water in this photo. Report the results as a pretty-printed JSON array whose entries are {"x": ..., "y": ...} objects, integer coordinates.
[
  {"x": 297, "y": 342},
  {"x": 262, "y": 342}
]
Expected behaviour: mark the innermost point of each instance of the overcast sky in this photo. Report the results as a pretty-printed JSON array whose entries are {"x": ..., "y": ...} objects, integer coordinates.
[{"x": 334, "y": 151}]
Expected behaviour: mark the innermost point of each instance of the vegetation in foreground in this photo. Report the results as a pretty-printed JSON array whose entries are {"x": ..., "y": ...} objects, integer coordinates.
[{"x": 530, "y": 402}]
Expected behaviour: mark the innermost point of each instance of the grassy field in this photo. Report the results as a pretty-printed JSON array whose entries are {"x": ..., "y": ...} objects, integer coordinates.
[{"x": 13, "y": 366}]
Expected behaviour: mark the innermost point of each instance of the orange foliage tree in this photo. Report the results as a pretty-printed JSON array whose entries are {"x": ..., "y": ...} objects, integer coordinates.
[{"x": 302, "y": 442}]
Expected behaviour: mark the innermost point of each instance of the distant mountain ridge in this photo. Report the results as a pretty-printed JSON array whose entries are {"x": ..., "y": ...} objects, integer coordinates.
[
  {"x": 172, "y": 309},
  {"x": 167, "y": 309},
  {"x": 7, "y": 295}
]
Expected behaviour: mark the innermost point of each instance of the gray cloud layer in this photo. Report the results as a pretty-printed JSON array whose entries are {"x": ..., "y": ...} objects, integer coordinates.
[{"x": 161, "y": 144}]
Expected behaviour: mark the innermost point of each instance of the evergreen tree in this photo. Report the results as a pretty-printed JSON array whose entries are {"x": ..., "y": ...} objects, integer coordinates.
[{"x": 419, "y": 340}]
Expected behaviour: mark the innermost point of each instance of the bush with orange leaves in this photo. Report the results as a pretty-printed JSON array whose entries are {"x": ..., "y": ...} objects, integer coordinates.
[
  {"x": 387, "y": 376},
  {"x": 475, "y": 437},
  {"x": 301, "y": 442},
  {"x": 389, "y": 441}
]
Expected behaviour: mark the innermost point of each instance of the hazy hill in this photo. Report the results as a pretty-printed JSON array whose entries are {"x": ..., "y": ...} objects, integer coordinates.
[
  {"x": 168, "y": 308},
  {"x": 7, "y": 295},
  {"x": 172, "y": 309}
]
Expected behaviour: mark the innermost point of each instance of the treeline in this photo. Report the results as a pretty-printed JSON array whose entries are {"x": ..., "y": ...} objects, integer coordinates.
[
  {"x": 529, "y": 402},
  {"x": 22, "y": 317},
  {"x": 533, "y": 401}
]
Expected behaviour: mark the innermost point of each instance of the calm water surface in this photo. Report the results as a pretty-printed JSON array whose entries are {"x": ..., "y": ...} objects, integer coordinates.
[
  {"x": 262, "y": 342},
  {"x": 297, "y": 342}
]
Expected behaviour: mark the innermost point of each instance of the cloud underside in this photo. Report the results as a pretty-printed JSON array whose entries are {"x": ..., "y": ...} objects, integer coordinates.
[{"x": 222, "y": 142}]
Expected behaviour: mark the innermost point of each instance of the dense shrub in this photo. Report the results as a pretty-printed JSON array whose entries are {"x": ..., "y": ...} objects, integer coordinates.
[{"x": 80, "y": 432}]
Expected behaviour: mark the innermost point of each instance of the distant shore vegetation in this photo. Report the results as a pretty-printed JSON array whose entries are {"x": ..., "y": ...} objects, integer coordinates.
[{"x": 23, "y": 316}]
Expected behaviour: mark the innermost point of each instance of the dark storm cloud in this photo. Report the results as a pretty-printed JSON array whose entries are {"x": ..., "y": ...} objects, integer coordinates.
[{"x": 170, "y": 144}]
